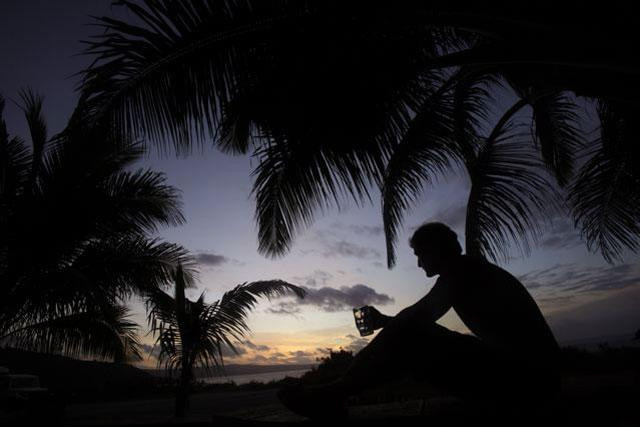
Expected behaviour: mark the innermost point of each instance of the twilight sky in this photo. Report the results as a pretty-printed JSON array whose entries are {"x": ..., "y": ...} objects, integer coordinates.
[{"x": 340, "y": 259}]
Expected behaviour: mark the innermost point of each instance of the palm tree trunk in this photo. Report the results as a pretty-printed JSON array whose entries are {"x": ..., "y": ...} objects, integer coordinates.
[
  {"x": 184, "y": 387},
  {"x": 182, "y": 396}
]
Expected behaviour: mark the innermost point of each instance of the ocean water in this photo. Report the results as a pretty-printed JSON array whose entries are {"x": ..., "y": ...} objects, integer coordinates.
[{"x": 263, "y": 377}]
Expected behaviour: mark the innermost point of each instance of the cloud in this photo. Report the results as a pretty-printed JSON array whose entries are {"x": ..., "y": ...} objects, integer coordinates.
[
  {"x": 228, "y": 353},
  {"x": 285, "y": 308},
  {"x": 561, "y": 235},
  {"x": 366, "y": 230},
  {"x": 150, "y": 350},
  {"x": 454, "y": 216},
  {"x": 331, "y": 299},
  {"x": 259, "y": 359},
  {"x": 356, "y": 345},
  {"x": 301, "y": 357},
  {"x": 614, "y": 314},
  {"x": 323, "y": 351},
  {"x": 300, "y": 353},
  {"x": 563, "y": 283},
  {"x": 297, "y": 357},
  {"x": 342, "y": 248},
  {"x": 256, "y": 347},
  {"x": 210, "y": 259},
  {"x": 359, "y": 229},
  {"x": 318, "y": 277},
  {"x": 353, "y": 344},
  {"x": 332, "y": 243}
]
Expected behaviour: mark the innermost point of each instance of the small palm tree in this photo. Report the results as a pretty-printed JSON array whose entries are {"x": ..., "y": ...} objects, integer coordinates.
[
  {"x": 75, "y": 220},
  {"x": 193, "y": 333}
]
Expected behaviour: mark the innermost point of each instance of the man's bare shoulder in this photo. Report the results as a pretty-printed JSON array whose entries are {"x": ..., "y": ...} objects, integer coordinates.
[
  {"x": 466, "y": 265},
  {"x": 473, "y": 269}
]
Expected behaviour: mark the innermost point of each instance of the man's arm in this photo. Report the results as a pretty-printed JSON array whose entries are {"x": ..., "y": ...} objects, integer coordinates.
[
  {"x": 378, "y": 320},
  {"x": 428, "y": 309}
]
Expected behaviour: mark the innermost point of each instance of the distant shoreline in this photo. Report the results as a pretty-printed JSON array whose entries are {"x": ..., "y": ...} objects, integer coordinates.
[
  {"x": 260, "y": 378},
  {"x": 240, "y": 369}
]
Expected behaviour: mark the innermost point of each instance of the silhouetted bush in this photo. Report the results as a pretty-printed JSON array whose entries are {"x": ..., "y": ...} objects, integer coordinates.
[{"x": 330, "y": 368}]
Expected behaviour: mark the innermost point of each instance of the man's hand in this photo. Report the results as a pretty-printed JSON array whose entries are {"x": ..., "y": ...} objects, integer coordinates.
[{"x": 376, "y": 319}]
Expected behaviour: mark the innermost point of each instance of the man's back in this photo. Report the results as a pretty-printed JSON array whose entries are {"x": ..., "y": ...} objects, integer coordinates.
[{"x": 498, "y": 309}]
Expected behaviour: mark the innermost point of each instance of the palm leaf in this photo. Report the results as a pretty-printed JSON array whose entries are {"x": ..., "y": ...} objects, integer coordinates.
[
  {"x": 32, "y": 108},
  {"x": 102, "y": 331},
  {"x": 132, "y": 264},
  {"x": 15, "y": 162},
  {"x": 105, "y": 271},
  {"x": 509, "y": 194},
  {"x": 425, "y": 151},
  {"x": 472, "y": 105},
  {"x": 73, "y": 248},
  {"x": 196, "y": 332},
  {"x": 89, "y": 196},
  {"x": 142, "y": 200},
  {"x": 293, "y": 180},
  {"x": 227, "y": 318},
  {"x": 177, "y": 67},
  {"x": 557, "y": 133},
  {"x": 605, "y": 197}
]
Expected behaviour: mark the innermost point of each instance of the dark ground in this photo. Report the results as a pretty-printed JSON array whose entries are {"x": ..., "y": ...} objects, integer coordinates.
[
  {"x": 588, "y": 400},
  {"x": 599, "y": 389}
]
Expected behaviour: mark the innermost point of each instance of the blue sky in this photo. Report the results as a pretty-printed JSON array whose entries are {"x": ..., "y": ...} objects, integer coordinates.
[{"x": 340, "y": 259}]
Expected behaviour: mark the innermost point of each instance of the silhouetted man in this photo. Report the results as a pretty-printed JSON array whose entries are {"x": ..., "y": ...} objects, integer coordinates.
[{"x": 512, "y": 356}]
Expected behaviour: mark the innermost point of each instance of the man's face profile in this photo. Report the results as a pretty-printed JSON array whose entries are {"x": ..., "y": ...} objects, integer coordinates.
[{"x": 427, "y": 260}]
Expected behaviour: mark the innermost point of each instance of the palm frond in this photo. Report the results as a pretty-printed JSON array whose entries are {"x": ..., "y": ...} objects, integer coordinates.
[
  {"x": 176, "y": 67},
  {"x": 510, "y": 194},
  {"x": 74, "y": 248},
  {"x": 318, "y": 152},
  {"x": 226, "y": 318},
  {"x": 232, "y": 309},
  {"x": 32, "y": 109},
  {"x": 604, "y": 197},
  {"x": 557, "y": 133},
  {"x": 105, "y": 271},
  {"x": 196, "y": 331},
  {"x": 89, "y": 196},
  {"x": 15, "y": 162},
  {"x": 133, "y": 264},
  {"x": 472, "y": 104},
  {"x": 425, "y": 151},
  {"x": 102, "y": 331},
  {"x": 143, "y": 200},
  {"x": 293, "y": 180}
]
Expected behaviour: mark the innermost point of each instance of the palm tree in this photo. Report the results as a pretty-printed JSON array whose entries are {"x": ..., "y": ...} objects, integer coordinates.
[
  {"x": 193, "y": 333},
  {"x": 325, "y": 93},
  {"x": 75, "y": 220},
  {"x": 511, "y": 190}
]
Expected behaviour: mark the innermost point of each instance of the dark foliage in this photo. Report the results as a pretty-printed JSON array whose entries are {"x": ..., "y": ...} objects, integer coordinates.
[
  {"x": 336, "y": 98},
  {"x": 330, "y": 368},
  {"x": 192, "y": 334},
  {"x": 75, "y": 220}
]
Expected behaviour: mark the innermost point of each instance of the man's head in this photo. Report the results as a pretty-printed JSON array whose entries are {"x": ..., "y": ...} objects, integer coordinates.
[{"x": 435, "y": 245}]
